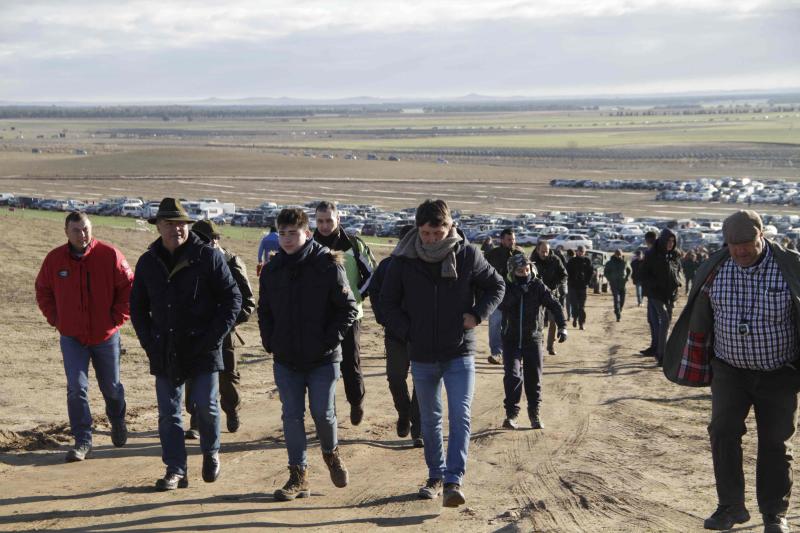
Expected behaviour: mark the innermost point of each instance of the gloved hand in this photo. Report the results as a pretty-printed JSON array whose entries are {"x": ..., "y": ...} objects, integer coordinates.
[{"x": 562, "y": 335}]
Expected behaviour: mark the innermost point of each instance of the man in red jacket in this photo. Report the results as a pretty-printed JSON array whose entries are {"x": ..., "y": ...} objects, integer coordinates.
[{"x": 83, "y": 289}]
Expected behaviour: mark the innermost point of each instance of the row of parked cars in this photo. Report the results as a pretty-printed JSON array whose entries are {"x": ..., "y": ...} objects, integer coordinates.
[
  {"x": 592, "y": 230},
  {"x": 726, "y": 190}
]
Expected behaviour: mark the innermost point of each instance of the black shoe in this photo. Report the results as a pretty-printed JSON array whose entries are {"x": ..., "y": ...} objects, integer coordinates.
[
  {"x": 210, "y": 467},
  {"x": 172, "y": 481},
  {"x": 536, "y": 422},
  {"x": 619, "y": 315},
  {"x": 510, "y": 422},
  {"x": 726, "y": 516},
  {"x": 356, "y": 414},
  {"x": 580, "y": 326},
  {"x": 551, "y": 351},
  {"x": 775, "y": 523},
  {"x": 495, "y": 359},
  {"x": 403, "y": 426},
  {"x": 78, "y": 453},
  {"x": 574, "y": 322},
  {"x": 233, "y": 422},
  {"x": 418, "y": 442},
  {"x": 453, "y": 497},
  {"x": 648, "y": 351},
  {"x": 431, "y": 489},
  {"x": 119, "y": 432},
  {"x": 191, "y": 434}
]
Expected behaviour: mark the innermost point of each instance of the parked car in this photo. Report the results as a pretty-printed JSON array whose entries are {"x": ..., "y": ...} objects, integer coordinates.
[{"x": 571, "y": 241}]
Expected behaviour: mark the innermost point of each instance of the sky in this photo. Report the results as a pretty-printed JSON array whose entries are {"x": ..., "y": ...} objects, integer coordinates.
[{"x": 154, "y": 50}]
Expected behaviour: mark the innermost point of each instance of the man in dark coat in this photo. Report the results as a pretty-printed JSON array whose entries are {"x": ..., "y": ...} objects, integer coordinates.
[
  {"x": 660, "y": 274},
  {"x": 553, "y": 274},
  {"x": 579, "y": 276},
  {"x": 617, "y": 271},
  {"x": 430, "y": 299},
  {"x": 305, "y": 308},
  {"x": 397, "y": 361},
  {"x": 229, "y": 378},
  {"x": 498, "y": 258},
  {"x": 183, "y": 303}
]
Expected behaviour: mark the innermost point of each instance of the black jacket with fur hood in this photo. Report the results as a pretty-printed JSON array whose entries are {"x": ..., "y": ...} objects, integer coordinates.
[
  {"x": 305, "y": 307},
  {"x": 661, "y": 269}
]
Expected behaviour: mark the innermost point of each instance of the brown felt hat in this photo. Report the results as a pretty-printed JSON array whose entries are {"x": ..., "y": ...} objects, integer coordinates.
[
  {"x": 206, "y": 229},
  {"x": 170, "y": 209},
  {"x": 742, "y": 226}
]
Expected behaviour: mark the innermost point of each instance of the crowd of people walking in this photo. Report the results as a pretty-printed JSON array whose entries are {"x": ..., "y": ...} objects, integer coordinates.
[{"x": 189, "y": 294}]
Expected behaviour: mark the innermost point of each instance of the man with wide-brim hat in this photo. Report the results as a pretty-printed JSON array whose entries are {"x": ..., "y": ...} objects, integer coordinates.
[
  {"x": 229, "y": 378},
  {"x": 183, "y": 303},
  {"x": 740, "y": 333}
]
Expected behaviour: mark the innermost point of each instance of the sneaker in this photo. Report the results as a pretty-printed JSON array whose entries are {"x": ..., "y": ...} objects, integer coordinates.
[
  {"x": 775, "y": 523},
  {"x": 119, "y": 432},
  {"x": 78, "y": 453},
  {"x": 339, "y": 474},
  {"x": 495, "y": 359},
  {"x": 356, "y": 414},
  {"x": 191, "y": 434},
  {"x": 726, "y": 516},
  {"x": 172, "y": 481},
  {"x": 431, "y": 490},
  {"x": 296, "y": 487},
  {"x": 453, "y": 497},
  {"x": 403, "y": 426},
  {"x": 418, "y": 442},
  {"x": 510, "y": 423},
  {"x": 211, "y": 467},
  {"x": 536, "y": 422},
  {"x": 233, "y": 422}
]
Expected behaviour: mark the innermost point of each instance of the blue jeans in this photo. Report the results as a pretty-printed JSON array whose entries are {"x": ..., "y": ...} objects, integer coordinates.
[
  {"x": 105, "y": 360},
  {"x": 639, "y": 295},
  {"x": 662, "y": 317},
  {"x": 458, "y": 375},
  {"x": 495, "y": 335},
  {"x": 205, "y": 390},
  {"x": 321, "y": 384}
]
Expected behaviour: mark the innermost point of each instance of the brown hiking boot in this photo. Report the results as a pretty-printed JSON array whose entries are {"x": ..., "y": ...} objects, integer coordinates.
[
  {"x": 296, "y": 487},
  {"x": 336, "y": 467}
]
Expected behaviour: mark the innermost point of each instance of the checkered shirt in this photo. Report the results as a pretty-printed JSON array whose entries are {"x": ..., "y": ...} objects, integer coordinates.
[{"x": 759, "y": 296}]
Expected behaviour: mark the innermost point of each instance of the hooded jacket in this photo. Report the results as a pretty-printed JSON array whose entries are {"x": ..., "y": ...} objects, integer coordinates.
[
  {"x": 305, "y": 307},
  {"x": 522, "y": 307},
  {"x": 661, "y": 269},
  {"x": 427, "y": 310},
  {"x": 86, "y": 297},
  {"x": 182, "y": 315},
  {"x": 579, "y": 272},
  {"x": 359, "y": 262}
]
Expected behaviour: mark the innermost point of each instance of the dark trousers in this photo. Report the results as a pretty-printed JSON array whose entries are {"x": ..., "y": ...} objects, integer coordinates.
[
  {"x": 652, "y": 321},
  {"x": 397, "y": 367},
  {"x": 619, "y": 299},
  {"x": 522, "y": 368},
  {"x": 229, "y": 380},
  {"x": 577, "y": 297},
  {"x": 773, "y": 395},
  {"x": 551, "y": 329},
  {"x": 351, "y": 365}
]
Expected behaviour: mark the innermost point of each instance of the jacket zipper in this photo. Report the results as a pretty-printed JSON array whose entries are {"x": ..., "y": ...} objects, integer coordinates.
[{"x": 435, "y": 315}]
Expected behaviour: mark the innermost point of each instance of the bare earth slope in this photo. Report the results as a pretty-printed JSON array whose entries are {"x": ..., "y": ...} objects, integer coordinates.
[{"x": 622, "y": 449}]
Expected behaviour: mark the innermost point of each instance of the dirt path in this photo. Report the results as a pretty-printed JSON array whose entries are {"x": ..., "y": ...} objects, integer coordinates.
[{"x": 622, "y": 449}]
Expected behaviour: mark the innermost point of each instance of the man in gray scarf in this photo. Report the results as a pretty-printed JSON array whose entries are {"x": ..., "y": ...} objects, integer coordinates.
[{"x": 437, "y": 290}]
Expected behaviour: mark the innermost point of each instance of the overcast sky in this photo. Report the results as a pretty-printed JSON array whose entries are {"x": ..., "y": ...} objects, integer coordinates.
[{"x": 92, "y": 50}]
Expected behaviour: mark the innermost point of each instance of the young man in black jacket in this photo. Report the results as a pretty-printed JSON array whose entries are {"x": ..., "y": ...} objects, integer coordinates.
[
  {"x": 184, "y": 302},
  {"x": 660, "y": 275},
  {"x": 397, "y": 361},
  {"x": 579, "y": 276},
  {"x": 430, "y": 299},
  {"x": 498, "y": 258},
  {"x": 305, "y": 308},
  {"x": 525, "y": 298}
]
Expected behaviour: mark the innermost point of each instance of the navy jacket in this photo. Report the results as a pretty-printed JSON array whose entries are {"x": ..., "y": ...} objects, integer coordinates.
[
  {"x": 305, "y": 307},
  {"x": 427, "y": 310},
  {"x": 181, "y": 316},
  {"x": 522, "y": 309}
]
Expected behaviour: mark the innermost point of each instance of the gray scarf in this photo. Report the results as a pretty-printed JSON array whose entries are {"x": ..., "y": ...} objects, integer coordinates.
[{"x": 444, "y": 251}]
